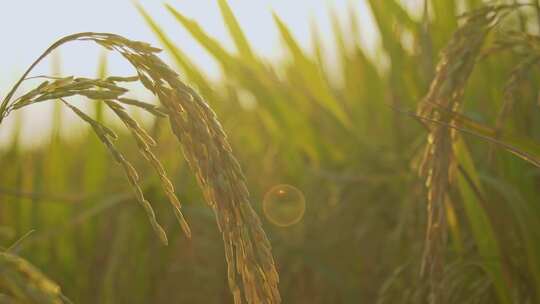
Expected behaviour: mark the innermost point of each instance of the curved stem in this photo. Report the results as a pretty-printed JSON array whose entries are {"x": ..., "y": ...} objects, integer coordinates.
[{"x": 55, "y": 45}]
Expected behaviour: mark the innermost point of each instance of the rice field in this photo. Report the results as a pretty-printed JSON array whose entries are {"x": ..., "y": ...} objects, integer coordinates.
[{"x": 408, "y": 176}]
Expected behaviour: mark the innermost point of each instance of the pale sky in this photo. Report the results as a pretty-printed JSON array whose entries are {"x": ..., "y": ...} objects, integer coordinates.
[{"x": 28, "y": 27}]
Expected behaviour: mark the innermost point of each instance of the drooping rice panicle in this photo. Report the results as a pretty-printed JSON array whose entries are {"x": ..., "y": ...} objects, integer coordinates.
[
  {"x": 21, "y": 282},
  {"x": 252, "y": 272},
  {"x": 145, "y": 142},
  {"x": 130, "y": 171},
  {"x": 446, "y": 91}
]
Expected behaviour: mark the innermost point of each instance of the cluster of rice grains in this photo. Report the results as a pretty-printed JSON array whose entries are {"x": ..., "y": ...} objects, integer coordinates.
[
  {"x": 204, "y": 144},
  {"x": 445, "y": 97},
  {"x": 21, "y": 282}
]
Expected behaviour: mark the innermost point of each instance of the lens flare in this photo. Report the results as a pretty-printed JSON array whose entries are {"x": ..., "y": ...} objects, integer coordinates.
[{"x": 284, "y": 205}]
